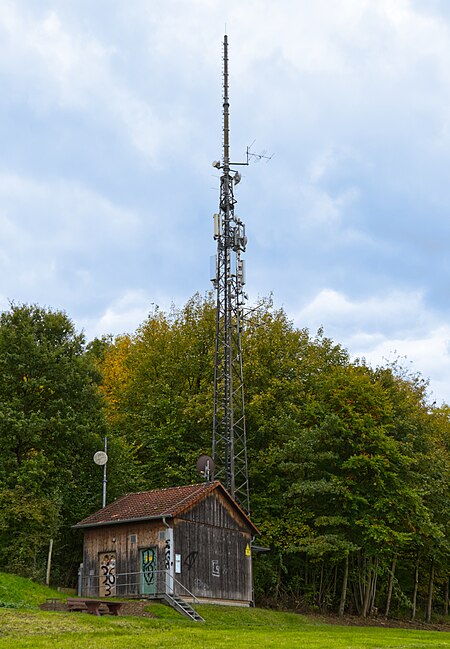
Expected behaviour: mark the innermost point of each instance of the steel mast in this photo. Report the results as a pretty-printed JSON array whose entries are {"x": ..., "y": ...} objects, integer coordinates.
[{"x": 229, "y": 434}]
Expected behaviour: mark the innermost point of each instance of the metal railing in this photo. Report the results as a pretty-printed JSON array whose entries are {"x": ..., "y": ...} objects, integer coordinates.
[
  {"x": 175, "y": 582},
  {"x": 152, "y": 584}
]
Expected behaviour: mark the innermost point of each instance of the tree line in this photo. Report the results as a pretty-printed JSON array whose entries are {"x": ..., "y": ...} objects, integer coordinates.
[{"x": 349, "y": 464}]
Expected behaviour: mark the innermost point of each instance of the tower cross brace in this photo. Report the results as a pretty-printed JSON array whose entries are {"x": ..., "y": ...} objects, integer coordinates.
[{"x": 229, "y": 430}]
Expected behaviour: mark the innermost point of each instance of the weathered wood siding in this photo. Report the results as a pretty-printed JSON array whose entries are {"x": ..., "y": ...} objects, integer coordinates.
[
  {"x": 216, "y": 510},
  {"x": 125, "y": 540},
  {"x": 213, "y": 541}
]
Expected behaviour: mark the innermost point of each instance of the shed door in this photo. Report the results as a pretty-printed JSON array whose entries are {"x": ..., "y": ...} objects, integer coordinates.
[
  {"x": 148, "y": 571},
  {"x": 107, "y": 572}
]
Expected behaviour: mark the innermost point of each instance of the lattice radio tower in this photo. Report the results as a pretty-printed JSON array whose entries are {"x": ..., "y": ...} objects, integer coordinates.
[{"x": 229, "y": 434}]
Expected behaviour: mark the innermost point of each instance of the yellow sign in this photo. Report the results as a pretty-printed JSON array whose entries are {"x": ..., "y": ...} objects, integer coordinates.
[{"x": 248, "y": 552}]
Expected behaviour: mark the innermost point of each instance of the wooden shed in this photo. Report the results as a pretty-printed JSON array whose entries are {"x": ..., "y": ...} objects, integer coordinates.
[{"x": 192, "y": 542}]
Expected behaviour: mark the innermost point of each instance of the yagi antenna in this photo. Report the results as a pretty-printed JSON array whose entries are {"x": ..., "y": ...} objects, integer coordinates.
[
  {"x": 251, "y": 156},
  {"x": 256, "y": 157}
]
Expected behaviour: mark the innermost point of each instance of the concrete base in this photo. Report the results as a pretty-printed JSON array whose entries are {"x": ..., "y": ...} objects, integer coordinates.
[{"x": 219, "y": 602}]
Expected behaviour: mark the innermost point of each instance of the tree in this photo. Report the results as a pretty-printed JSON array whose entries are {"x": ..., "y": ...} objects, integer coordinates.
[
  {"x": 348, "y": 464},
  {"x": 51, "y": 423},
  {"x": 158, "y": 391}
]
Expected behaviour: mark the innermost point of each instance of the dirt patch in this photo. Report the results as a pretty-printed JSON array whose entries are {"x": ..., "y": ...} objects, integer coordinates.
[
  {"x": 53, "y": 604},
  {"x": 136, "y": 609},
  {"x": 354, "y": 620}
]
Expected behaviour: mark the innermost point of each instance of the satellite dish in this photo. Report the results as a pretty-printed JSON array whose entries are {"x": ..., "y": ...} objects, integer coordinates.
[
  {"x": 100, "y": 458},
  {"x": 205, "y": 465}
]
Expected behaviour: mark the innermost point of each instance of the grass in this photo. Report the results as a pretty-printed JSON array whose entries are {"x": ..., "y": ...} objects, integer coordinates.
[
  {"x": 225, "y": 628},
  {"x": 16, "y": 592}
]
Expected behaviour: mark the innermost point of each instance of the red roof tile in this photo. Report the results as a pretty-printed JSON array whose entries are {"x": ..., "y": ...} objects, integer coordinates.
[{"x": 146, "y": 505}]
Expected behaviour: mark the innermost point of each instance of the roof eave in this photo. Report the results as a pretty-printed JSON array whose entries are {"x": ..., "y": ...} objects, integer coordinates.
[{"x": 122, "y": 520}]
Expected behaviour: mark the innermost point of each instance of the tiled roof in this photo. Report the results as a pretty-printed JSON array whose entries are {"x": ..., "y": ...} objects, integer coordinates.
[{"x": 146, "y": 505}]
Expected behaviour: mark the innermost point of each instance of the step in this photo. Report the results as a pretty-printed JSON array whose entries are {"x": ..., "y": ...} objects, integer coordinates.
[{"x": 183, "y": 607}]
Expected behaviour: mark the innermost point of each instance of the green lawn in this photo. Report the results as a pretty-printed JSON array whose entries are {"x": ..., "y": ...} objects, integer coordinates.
[
  {"x": 225, "y": 627},
  {"x": 19, "y": 591}
]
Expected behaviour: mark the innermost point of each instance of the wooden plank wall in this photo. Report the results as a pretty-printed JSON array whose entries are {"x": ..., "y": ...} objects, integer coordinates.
[
  {"x": 212, "y": 540},
  {"x": 119, "y": 539},
  {"x": 214, "y": 543}
]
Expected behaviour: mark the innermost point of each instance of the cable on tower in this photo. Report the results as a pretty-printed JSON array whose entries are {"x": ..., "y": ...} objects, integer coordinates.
[{"x": 229, "y": 432}]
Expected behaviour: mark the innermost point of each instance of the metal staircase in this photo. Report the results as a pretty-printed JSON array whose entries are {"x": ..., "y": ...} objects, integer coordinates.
[{"x": 183, "y": 607}]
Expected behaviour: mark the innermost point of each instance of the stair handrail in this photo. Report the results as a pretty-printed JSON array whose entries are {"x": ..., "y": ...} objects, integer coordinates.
[{"x": 175, "y": 580}]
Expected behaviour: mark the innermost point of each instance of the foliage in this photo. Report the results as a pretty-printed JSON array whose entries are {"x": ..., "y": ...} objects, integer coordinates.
[
  {"x": 158, "y": 390},
  {"x": 51, "y": 423},
  {"x": 349, "y": 465}
]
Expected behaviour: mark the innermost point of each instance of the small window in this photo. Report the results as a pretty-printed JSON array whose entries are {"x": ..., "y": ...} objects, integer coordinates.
[
  {"x": 162, "y": 536},
  {"x": 133, "y": 539}
]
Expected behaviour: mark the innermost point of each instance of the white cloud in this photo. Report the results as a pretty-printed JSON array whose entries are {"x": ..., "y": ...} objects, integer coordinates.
[
  {"x": 58, "y": 239},
  {"x": 54, "y": 64},
  {"x": 382, "y": 329},
  {"x": 59, "y": 66},
  {"x": 124, "y": 314},
  {"x": 60, "y": 215},
  {"x": 352, "y": 96},
  {"x": 427, "y": 354},
  {"x": 396, "y": 311}
]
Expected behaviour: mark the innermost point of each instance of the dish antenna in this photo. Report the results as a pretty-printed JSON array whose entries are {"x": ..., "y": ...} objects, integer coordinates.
[
  {"x": 101, "y": 458},
  {"x": 205, "y": 465}
]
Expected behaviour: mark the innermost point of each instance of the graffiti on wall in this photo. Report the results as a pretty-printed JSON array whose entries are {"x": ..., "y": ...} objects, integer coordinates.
[
  {"x": 107, "y": 586},
  {"x": 200, "y": 585},
  {"x": 167, "y": 555},
  {"x": 190, "y": 560},
  {"x": 215, "y": 568},
  {"x": 148, "y": 566}
]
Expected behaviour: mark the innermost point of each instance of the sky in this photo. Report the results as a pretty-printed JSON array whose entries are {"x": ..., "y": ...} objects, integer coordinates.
[{"x": 110, "y": 118}]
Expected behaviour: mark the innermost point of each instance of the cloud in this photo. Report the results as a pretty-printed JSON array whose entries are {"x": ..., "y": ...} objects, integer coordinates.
[
  {"x": 58, "y": 238},
  {"x": 396, "y": 312},
  {"x": 383, "y": 329},
  {"x": 428, "y": 354},
  {"x": 109, "y": 124},
  {"x": 57, "y": 66},
  {"x": 121, "y": 316},
  {"x": 70, "y": 211},
  {"x": 124, "y": 314}
]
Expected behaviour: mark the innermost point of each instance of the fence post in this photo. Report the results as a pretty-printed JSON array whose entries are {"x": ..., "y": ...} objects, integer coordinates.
[{"x": 80, "y": 581}]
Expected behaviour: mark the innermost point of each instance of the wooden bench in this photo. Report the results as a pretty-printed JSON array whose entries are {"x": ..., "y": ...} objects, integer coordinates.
[{"x": 92, "y": 606}]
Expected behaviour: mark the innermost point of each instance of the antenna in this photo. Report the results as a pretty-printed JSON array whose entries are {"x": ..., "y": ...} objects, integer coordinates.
[
  {"x": 229, "y": 447},
  {"x": 205, "y": 466},
  {"x": 101, "y": 458},
  {"x": 256, "y": 157}
]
